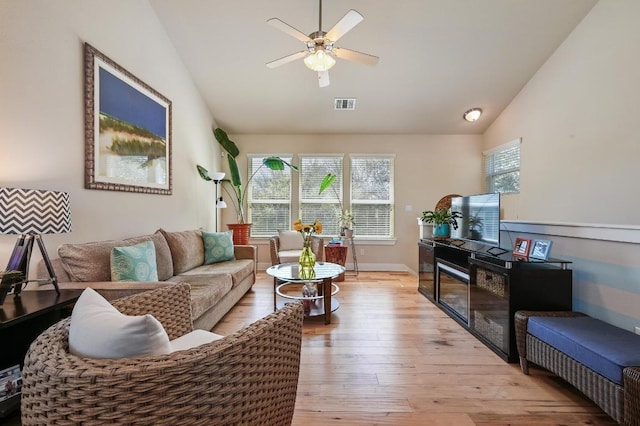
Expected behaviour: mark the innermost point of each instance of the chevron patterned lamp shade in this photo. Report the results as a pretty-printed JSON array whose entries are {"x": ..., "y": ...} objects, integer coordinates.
[{"x": 33, "y": 211}]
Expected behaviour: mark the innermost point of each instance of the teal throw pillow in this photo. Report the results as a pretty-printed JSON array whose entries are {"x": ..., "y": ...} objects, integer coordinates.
[
  {"x": 218, "y": 247},
  {"x": 134, "y": 263}
]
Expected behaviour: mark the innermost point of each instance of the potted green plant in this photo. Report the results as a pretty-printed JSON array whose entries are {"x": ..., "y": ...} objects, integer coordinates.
[
  {"x": 238, "y": 198},
  {"x": 346, "y": 219},
  {"x": 441, "y": 220}
]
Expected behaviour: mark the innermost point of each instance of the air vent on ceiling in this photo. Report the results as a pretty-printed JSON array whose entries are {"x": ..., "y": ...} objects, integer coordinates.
[{"x": 348, "y": 104}]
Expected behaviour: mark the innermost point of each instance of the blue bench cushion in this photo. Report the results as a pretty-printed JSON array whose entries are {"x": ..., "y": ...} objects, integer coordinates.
[{"x": 602, "y": 347}]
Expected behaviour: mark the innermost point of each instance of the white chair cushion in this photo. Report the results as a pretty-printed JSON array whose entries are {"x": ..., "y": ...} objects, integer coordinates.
[
  {"x": 193, "y": 340},
  {"x": 98, "y": 330},
  {"x": 288, "y": 256},
  {"x": 290, "y": 240}
]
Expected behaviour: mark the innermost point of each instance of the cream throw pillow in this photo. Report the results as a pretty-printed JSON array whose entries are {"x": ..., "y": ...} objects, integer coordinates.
[
  {"x": 290, "y": 240},
  {"x": 98, "y": 330}
]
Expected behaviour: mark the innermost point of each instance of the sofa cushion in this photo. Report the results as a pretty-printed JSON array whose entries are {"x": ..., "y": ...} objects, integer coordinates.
[
  {"x": 218, "y": 247},
  {"x": 187, "y": 249},
  {"x": 193, "y": 340},
  {"x": 206, "y": 290},
  {"x": 98, "y": 330},
  {"x": 604, "y": 348},
  {"x": 238, "y": 269},
  {"x": 290, "y": 240},
  {"x": 92, "y": 261},
  {"x": 134, "y": 263}
]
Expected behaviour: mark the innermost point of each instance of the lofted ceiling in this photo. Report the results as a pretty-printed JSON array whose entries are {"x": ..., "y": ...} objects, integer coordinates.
[{"x": 438, "y": 58}]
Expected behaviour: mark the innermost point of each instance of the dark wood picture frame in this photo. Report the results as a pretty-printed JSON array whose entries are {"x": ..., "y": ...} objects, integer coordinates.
[{"x": 127, "y": 130}]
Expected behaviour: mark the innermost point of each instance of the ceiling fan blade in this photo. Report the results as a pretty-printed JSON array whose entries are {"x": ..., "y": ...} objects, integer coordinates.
[
  {"x": 344, "y": 25},
  {"x": 352, "y": 55},
  {"x": 282, "y": 26},
  {"x": 323, "y": 78},
  {"x": 287, "y": 59}
]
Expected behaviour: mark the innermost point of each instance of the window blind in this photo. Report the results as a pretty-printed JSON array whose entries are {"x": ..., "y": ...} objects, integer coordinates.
[
  {"x": 268, "y": 197},
  {"x": 325, "y": 207},
  {"x": 502, "y": 168},
  {"x": 372, "y": 194}
]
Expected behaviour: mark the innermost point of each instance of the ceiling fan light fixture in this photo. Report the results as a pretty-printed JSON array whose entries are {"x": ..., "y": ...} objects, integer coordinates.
[
  {"x": 473, "y": 114},
  {"x": 319, "y": 61}
]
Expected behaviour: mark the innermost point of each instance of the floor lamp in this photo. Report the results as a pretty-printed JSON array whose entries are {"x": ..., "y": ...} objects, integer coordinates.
[
  {"x": 29, "y": 213},
  {"x": 220, "y": 204}
]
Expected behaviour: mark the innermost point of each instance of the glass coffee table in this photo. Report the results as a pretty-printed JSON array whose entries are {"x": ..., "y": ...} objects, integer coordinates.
[{"x": 288, "y": 274}]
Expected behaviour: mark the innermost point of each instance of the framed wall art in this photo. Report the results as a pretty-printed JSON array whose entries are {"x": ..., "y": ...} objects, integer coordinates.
[{"x": 127, "y": 130}]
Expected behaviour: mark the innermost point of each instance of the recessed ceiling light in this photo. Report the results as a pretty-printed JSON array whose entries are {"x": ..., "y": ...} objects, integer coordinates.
[{"x": 473, "y": 114}]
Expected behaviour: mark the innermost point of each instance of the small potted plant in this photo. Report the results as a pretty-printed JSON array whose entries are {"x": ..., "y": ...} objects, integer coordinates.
[
  {"x": 346, "y": 223},
  {"x": 441, "y": 220}
]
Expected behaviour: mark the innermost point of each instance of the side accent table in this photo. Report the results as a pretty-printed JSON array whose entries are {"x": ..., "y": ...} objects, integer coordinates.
[{"x": 338, "y": 255}]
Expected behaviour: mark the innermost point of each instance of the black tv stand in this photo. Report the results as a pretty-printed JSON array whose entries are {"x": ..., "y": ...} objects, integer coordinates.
[{"x": 482, "y": 289}]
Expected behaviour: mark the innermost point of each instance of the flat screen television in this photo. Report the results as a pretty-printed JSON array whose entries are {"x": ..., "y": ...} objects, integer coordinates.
[{"x": 479, "y": 219}]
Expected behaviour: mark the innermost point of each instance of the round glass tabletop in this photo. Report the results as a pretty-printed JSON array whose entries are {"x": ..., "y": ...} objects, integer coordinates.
[{"x": 291, "y": 271}]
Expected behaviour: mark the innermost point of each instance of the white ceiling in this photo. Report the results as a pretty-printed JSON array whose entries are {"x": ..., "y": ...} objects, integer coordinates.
[{"x": 438, "y": 58}]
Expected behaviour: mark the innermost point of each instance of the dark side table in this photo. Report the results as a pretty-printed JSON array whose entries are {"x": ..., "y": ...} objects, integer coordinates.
[
  {"x": 337, "y": 255},
  {"x": 22, "y": 319}
]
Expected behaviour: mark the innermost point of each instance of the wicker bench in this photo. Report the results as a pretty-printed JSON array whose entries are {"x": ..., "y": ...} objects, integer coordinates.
[{"x": 621, "y": 400}]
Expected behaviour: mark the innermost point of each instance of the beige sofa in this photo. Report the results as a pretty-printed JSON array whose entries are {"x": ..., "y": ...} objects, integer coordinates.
[{"x": 215, "y": 288}]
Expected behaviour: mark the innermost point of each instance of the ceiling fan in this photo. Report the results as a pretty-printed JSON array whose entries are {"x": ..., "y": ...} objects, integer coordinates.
[{"x": 320, "y": 49}]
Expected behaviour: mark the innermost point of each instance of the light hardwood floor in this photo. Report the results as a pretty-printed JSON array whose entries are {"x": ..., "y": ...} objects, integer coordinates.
[{"x": 391, "y": 357}]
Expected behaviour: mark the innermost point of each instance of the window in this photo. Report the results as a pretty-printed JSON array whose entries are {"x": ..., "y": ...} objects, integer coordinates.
[
  {"x": 325, "y": 207},
  {"x": 268, "y": 197},
  {"x": 372, "y": 195},
  {"x": 502, "y": 168}
]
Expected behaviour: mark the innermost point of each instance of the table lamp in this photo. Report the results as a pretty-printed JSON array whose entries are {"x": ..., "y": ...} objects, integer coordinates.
[{"x": 30, "y": 213}]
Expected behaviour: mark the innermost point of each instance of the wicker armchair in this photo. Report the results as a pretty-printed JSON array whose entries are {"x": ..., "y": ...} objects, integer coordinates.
[
  {"x": 317, "y": 246},
  {"x": 249, "y": 377}
]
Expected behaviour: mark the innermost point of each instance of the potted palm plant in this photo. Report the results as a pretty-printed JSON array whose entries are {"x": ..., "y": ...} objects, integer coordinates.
[
  {"x": 441, "y": 220},
  {"x": 238, "y": 197}
]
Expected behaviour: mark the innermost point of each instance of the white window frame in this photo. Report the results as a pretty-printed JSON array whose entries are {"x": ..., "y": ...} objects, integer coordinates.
[
  {"x": 256, "y": 230},
  {"x": 490, "y": 174},
  {"x": 333, "y": 195},
  {"x": 390, "y": 201}
]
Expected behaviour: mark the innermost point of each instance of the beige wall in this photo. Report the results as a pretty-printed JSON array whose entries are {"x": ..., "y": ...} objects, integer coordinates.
[
  {"x": 580, "y": 147},
  {"x": 578, "y": 121},
  {"x": 427, "y": 167},
  {"x": 42, "y": 113}
]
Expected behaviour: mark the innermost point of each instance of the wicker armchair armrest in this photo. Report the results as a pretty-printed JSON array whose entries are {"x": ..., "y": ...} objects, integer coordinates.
[
  {"x": 631, "y": 377},
  {"x": 170, "y": 305},
  {"x": 274, "y": 248},
  {"x": 521, "y": 320},
  {"x": 317, "y": 247}
]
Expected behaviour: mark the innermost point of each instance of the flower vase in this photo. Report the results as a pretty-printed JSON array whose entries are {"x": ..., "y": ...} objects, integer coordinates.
[{"x": 307, "y": 259}]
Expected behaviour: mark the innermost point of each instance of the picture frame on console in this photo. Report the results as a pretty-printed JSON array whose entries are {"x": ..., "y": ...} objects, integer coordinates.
[
  {"x": 521, "y": 247},
  {"x": 541, "y": 249},
  {"x": 127, "y": 130}
]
